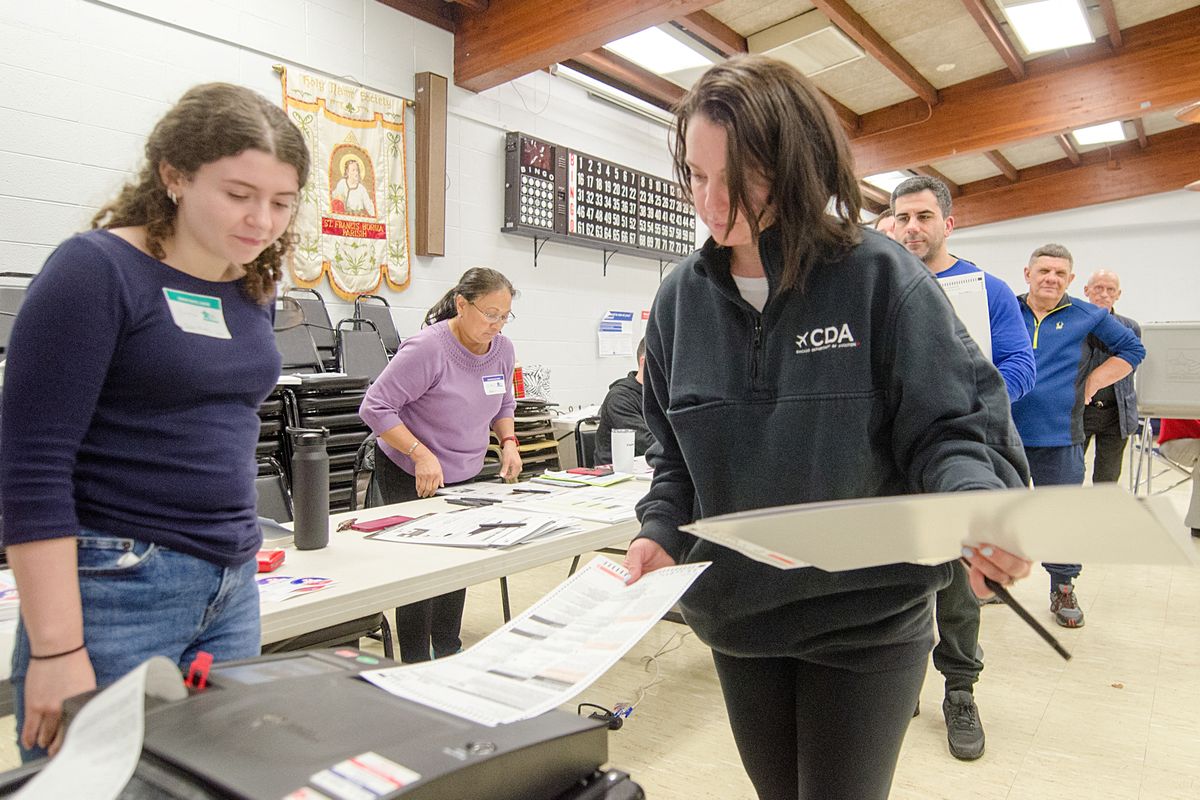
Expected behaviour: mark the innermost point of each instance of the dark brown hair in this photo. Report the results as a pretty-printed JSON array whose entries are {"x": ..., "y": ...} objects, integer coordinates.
[
  {"x": 474, "y": 283},
  {"x": 210, "y": 122},
  {"x": 781, "y": 127}
]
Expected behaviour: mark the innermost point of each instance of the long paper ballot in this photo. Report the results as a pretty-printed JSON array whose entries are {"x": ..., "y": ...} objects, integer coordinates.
[{"x": 1065, "y": 524}]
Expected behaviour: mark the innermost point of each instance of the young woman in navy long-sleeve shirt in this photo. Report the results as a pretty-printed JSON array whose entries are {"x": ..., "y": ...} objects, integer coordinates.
[{"x": 135, "y": 371}]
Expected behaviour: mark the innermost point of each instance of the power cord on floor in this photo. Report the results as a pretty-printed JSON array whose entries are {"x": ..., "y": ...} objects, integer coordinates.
[{"x": 616, "y": 716}]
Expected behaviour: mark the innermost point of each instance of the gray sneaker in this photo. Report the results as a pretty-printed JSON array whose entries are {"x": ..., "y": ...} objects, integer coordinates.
[
  {"x": 964, "y": 731},
  {"x": 1065, "y": 607}
]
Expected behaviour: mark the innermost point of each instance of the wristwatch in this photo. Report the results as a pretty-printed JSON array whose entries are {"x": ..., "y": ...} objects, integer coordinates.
[{"x": 513, "y": 439}]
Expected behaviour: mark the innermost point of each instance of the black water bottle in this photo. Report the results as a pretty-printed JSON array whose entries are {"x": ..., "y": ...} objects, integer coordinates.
[{"x": 310, "y": 488}]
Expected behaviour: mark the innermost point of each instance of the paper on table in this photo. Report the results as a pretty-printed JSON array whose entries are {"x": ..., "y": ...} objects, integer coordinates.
[
  {"x": 277, "y": 588},
  {"x": 496, "y": 525},
  {"x": 599, "y": 505},
  {"x": 104, "y": 742},
  {"x": 504, "y": 492},
  {"x": 563, "y": 478},
  {"x": 1065, "y": 524},
  {"x": 548, "y": 654},
  {"x": 968, "y": 295}
]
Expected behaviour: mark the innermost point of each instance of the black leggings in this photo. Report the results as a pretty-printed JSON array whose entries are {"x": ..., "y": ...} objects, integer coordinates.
[
  {"x": 810, "y": 732},
  {"x": 426, "y": 627}
]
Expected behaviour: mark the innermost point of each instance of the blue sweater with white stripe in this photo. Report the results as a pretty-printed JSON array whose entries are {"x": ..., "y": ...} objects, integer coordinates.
[{"x": 1052, "y": 414}]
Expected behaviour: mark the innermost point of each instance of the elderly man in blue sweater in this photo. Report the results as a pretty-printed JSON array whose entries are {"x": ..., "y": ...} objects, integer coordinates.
[
  {"x": 922, "y": 207},
  {"x": 1050, "y": 418}
]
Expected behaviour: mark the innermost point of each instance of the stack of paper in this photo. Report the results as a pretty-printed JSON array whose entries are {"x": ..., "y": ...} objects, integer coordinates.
[
  {"x": 490, "y": 526},
  {"x": 562, "y": 478},
  {"x": 599, "y": 505}
]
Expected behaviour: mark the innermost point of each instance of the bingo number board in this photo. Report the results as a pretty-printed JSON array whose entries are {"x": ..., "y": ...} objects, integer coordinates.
[{"x": 554, "y": 192}]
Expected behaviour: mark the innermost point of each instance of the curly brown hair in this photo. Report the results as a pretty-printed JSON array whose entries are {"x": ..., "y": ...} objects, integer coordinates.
[
  {"x": 780, "y": 126},
  {"x": 210, "y": 122}
]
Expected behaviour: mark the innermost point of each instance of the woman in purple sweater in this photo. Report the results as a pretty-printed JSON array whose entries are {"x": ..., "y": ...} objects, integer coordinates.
[{"x": 431, "y": 409}]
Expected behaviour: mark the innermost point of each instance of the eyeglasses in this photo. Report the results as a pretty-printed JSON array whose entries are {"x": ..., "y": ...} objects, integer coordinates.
[{"x": 502, "y": 319}]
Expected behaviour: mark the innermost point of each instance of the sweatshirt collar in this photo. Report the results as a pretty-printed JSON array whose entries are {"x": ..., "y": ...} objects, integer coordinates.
[{"x": 714, "y": 263}]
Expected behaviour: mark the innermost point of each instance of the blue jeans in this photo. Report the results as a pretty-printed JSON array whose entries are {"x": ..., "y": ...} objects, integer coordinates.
[
  {"x": 142, "y": 600},
  {"x": 1057, "y": 466}
]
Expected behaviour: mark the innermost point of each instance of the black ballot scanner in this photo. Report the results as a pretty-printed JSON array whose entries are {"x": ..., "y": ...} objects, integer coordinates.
[{"x": 305, "y": 725}]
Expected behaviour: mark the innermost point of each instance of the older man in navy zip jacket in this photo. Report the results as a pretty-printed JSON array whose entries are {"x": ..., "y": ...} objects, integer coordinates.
[
  {"x": 1050, "y": 418},
  {"x": 1111, "y": 416}
]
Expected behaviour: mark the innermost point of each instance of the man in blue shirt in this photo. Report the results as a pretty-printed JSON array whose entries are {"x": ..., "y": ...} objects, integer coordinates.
[
  {"x": 923, "y": 222},
  {"x": 1050, "y": 418}
]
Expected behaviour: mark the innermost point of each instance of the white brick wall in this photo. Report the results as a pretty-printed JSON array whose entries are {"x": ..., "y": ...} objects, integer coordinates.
[{"x": 83, "y": 84}]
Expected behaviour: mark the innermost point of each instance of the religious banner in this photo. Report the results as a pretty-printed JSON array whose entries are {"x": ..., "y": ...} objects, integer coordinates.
[{"x": 352, "y": 223}]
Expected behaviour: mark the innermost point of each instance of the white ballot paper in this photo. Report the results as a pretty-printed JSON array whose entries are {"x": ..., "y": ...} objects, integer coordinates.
[
  {"x": 104, "y": 742},
  {"x": 968, "y": 295},
  {"x": 1065, "y": 524},
  {"x": 550, "y": 653},
  {"x": 492, "y": 525},
  {"x": 611, "y": 505}
]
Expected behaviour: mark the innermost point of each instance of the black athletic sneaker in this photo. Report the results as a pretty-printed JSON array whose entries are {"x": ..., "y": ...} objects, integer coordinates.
[
  {"x": 964, "y": 731},
  {"x": 1065, "y": 607}
]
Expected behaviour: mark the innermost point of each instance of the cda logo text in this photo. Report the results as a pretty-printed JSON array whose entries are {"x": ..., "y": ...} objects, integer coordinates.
[{"x": 828, "y": 338}]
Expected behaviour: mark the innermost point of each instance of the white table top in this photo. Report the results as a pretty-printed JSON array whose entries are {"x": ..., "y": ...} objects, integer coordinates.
[{"x": 373, "y": 576}]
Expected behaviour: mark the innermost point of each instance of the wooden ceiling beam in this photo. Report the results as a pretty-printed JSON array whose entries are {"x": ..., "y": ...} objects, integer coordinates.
[
  {"x": 955, "y": 189},
  {"x": 874, "y": 206},
  {"x": 435, "y": 12},
  {"x": 875, "y": 193},
  {"x": 850, "y": 120},
  {"x": 1153, "y": 70},
  {"x": 607, "y": 66},
  {"x": 1140, "y": 127},
  {"x": 851, "y": 23},
  {"x": 1003, "y": 164},
  {"x": 1068, "y": 148},
  {"x": 713, "y": 33},
  {"x": 515, "y": 37},
  {"x": 1110, "y": 22},
  {"x": 996, "y": 35},
  {"x": 1169, "y": 165}
]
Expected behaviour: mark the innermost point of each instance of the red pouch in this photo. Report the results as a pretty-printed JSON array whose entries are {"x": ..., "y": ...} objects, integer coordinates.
[{"x": 372, "y": 525}]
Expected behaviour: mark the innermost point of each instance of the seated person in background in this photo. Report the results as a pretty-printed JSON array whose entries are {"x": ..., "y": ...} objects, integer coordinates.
[
  {"x": 622, "y": 408},
  {"x": 1179, "y": 440}
]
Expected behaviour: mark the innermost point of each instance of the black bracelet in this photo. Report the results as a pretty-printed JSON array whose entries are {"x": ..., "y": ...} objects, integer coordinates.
[{"x": 57, "y": 655}]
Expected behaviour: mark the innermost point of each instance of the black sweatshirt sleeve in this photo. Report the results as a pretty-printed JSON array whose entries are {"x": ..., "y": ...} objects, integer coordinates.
[{"x": 952, "y": 428}]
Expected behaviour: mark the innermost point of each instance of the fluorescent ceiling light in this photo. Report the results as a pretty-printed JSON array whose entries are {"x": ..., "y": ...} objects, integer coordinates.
[
  {"x": 809, "y": 42},
  {"x": 658, "y": 52},
  {"x": 1043, "y": 25},
  {"x": 1100, "y": 134},
  {"x": 612, "y": 95},
  {"x": 888, "y": 181}
]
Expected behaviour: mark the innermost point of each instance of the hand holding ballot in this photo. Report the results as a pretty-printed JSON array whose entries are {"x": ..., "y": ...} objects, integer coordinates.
[{"x": 645, "y": 555}]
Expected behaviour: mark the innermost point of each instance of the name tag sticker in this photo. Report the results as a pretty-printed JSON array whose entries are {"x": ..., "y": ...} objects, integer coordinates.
[
  {"x": 197, "y": 313},
  {"x": 493, "y": 384}
]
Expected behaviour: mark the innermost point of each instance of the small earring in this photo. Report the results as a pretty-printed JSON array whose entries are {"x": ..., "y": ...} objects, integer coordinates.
[{"x": 173, "y": 197}]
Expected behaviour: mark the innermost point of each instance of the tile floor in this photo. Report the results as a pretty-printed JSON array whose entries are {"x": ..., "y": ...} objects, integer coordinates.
[{"x": 1120, "y": 721}]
